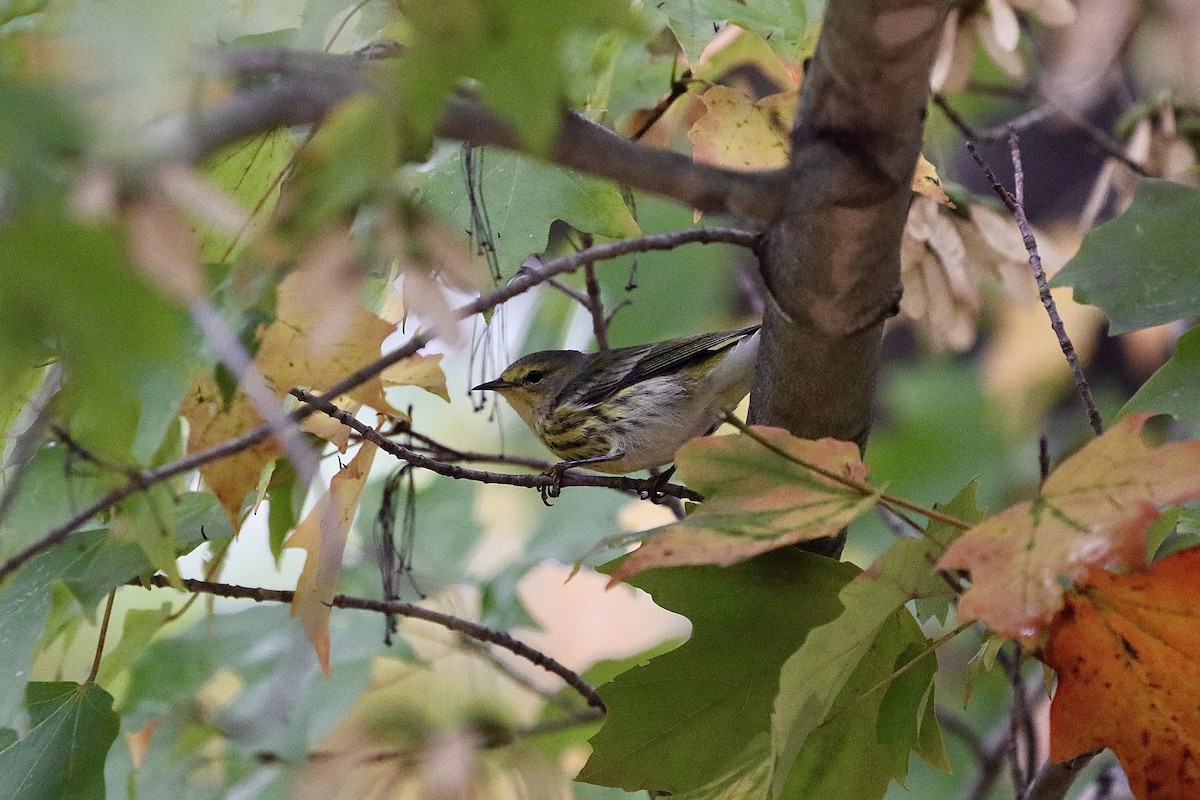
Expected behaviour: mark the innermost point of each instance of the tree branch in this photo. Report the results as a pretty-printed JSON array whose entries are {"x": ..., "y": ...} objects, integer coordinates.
[
  {"x": 309, "y": 85},
  {"x": 832, "y": 260},
  {"x": 522, "y": 282},
  {"x": 465, "y": 627}
]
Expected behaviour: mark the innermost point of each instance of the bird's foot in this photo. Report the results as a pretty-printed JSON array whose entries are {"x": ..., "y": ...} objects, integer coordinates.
[
  {"x": 553, "y": 489},
  {"x": 659, "y": 480}
]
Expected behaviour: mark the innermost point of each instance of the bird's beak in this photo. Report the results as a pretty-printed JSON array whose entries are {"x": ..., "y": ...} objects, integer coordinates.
[{"x": 499, "y": 383}]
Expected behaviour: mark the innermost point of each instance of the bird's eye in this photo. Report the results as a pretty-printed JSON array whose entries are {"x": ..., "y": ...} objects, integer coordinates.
[{"x": 534, "y": 375}]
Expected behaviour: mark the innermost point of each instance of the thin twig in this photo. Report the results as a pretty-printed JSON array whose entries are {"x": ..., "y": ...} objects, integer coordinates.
[
  {"x": 862, "y": 487},
  {"x": 1039, "y": 274},
  {"x": 679, "y": 87},
  {"x": 1021, "y": 773},
  {"x": 108, "y": 607},
  {"x": 465, "y": 627},
  {"x": 630, "y": 485},
  {"x": 1110, "y": 147},
  {"x": 252, "y": 383},
  {"x": 521, "y": 283},
  {"x": 595, "y": 307}
]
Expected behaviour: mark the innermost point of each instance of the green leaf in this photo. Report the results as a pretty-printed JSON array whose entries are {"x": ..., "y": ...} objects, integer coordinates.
[
  {"x": 748, "y": 776},
  {"x": 56, "y": 485},
  {"x": 63, "y": 754},
  {"x": 118, "y": 339},
  {"x": 856, "y": 750},
  {"x": 41, "y": 135},
  {"x": 512, "y": 50},
  {"x": 26, "y": 604},
  {"x": 675, "y": 723},
  {"x": 145, "y": 519},
  {"x": 900, "y": 710},
  {"x": 934, "y": 602},
  {"x": 1141, "y": 266},
  {"x": 283, "y": 704},
  {"x": 249, "y": 172},
  {"x": 1175, "y": 387},
  {"x": 815, "y": 677},
  {"x": 696, "y": 22},
  {"x": 286, "y": 495},
  {"x": 89, "y": 564},
  {"x": 980, "y": 663},
  {"x": 930, "y": 746},
  {"x": 521, "y": 198}
]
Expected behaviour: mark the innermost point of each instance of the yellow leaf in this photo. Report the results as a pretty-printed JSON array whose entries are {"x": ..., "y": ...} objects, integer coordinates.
[
  {"x": 309, "y": 346},
  {"x": 925, "y": 181},
  {"x": 323, "y": 535},
  {"x": 211, "y": 422},
  {"x": 424, "y": 371},
  {"x": 739, "y": 133}
]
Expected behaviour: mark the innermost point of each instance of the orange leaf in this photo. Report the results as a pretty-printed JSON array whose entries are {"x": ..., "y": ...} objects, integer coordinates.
[
  {"x": 210, "y": 422},
  {"x": 1093, "y": 512},
  {"x": 755, "y": 500},
  {"x": 739, "y": 133},
  {"x": 323, "y": 534},
  {"x": 308, "y": 346},
  {"x": 1127, "y": 652}
]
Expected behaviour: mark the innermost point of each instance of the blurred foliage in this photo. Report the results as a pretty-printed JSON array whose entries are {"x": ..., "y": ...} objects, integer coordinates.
[{"x": 800, "y": 675}]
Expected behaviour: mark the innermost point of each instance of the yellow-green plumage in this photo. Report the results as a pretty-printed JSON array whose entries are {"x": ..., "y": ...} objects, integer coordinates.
[{"x": 631, "y": 408}]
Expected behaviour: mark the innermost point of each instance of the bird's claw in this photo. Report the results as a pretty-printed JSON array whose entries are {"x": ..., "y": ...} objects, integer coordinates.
[
  {"x": 655, "y": 492},
  {"x": 553, "y": 489}
]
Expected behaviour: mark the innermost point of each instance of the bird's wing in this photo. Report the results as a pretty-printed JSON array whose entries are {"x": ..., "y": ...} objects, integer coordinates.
[{"x": 624, "y": 367}]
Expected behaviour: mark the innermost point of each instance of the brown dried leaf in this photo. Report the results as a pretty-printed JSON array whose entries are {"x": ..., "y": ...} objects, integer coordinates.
[
  {"x": 211, "y": 422},
  {"x": 323, "y": 535}
]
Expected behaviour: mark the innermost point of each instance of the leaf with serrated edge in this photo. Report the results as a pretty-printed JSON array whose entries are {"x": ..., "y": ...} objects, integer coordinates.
[
  {"x": 1127, "y": 652},
  {"x": 1093, "y": 512},
  {"x": 325, "y": 544},
  {"x": 1140, "y": 267},
  {"x": 814, "y": 676},
  {"x": 755, "y": 500},
  {"x": 307, "y": 346}
]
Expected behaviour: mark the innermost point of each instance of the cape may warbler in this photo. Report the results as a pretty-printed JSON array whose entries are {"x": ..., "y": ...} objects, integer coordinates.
[{"x": 623, "y": 410}]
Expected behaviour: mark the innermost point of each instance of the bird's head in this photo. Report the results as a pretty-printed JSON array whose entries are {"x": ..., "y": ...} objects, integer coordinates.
[{"x": 531, "y": 383}]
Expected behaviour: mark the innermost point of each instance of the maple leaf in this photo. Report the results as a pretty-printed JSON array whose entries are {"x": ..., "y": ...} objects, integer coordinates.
[
  {"x": 308, "y": 346},
  {"x": 739, "y": 133},
  {"x": 423, "y": 371},
  {"x": 1093, "y": 512},
  {"x": 323, "y": 535},
  {"x": 210, "y": 422},
  {"x": 755, "y": 499},
  {"x": 1127, "y": 652}
]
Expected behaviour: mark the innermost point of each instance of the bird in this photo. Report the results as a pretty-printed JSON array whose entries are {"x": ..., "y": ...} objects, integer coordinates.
[{"x": 628, "y": 409}]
